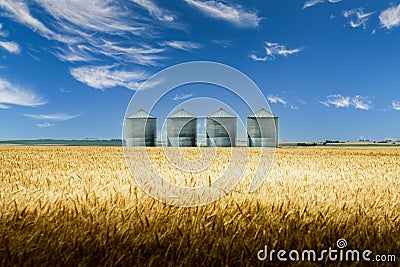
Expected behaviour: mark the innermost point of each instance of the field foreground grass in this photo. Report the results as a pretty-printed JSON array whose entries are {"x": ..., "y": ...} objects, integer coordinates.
[{"x": 80, "y": 206}]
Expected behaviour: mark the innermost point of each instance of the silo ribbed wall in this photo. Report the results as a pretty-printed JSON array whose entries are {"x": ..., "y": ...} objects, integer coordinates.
[
  {"x": 182, "y": 131},
  {"x": 141, "y": 131},
  {"x": 262, "y": 132},
  {"x": 221, "y": 132}
]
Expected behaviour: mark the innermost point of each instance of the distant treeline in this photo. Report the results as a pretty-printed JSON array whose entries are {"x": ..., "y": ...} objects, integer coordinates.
[
  {"x": 307, "y": 144},
  {"x": 99, "y": 142},
  {"x": 333, "y": 142}
]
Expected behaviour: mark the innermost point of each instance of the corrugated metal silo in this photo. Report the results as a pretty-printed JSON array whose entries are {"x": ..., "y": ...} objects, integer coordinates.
[
  {"x": 221, "y": 129},
  {"x": 182, "y": 129},
  {"x": 262, "y": 129},
  {"x": 141, "y": 129}
]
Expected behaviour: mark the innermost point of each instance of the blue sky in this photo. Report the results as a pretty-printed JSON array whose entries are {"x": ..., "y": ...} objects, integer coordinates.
[{"x": 329, "y": 68}]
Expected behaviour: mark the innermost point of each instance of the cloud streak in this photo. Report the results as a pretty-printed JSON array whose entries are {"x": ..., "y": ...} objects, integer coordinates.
[
  {"x": 11, "y": 94},
  {"x": 182, "y": 96},
  {"x": 395, "y": 105},
  {"x": 276, "y": 100},
  {"x": 94, "y": 15},
  {"x": 2, "y": 33},
  {"x": 103, "y": 77},
  {"x": 182, "y": 45},
  {"x": 254, "y": 57},
  {"x": 339, "y": 101},
  {"x": 274, "y": 50},
  {"x": 11, "y": 47},
  {"x": 360, "y": 102},
  {"x": 357, "y": 17},
  {"x": 19, "y": 11},
  {"x": 223, "y": 43},
  {"x": 87, "y": 31},
  {"x": 234, "y": 14},
  {"x": 312, "y": 3},
  {"x": 45, "y": 125},
  {"x": 155, "y": 11},
  {"x": 52, "y": 117},
  {"x": 390, "y": 17}
]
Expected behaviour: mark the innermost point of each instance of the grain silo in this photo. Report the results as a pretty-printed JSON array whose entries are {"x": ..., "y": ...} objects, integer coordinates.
[
  {"x": 141, "y": 129},
  {"x": 182, "y": 129},
  {"x": 262, "y": 129},
  {"x": 221, "y": 129}
]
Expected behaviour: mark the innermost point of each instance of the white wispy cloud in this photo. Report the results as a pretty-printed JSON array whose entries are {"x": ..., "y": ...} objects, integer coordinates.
[
  {"x": 254, "y": 57},
  {"x": 19, "y": 10},
  {"x": 182, "y": 45},
  {"x": 232, "y": 13},
  {"x": 274, "y": 50},
  {"x": 2, "y": 32},
  {"x": 142, "y": 55},
  {"x": 312, "y": 3},
  {"x": 182, "y": 96},
  {"x": 63, "y": 90},
  {"x": 357, "y": 17},
  {"x": 74, "y": 53},
  {"x": 301, "y": 101},
  {"x": 85, "y": 31},
  {"x": 52, "y": 117},
  {"x": 11, "y": 47},
  {"x": 156, "y": 11},
  {"x": 339, "y": 101},
  {"x": 396, "y": 105},
  {"x": 325, "y": 103},
  {"x": 103, "y": 77},
  {"x": 276, "y": 100},
  {"x": 95, "y": 15},
  {"x": 11, "y": 94},
  {"x": 148, "y": 84},
  {"x": 390, "y": 17},
  {"x": 360, "y": 102},
  {"x": 223, "y": 43},
  {"x": 45, "y": 124}
]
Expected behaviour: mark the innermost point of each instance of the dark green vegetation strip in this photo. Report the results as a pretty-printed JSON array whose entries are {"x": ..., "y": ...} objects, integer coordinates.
[{"x": 63, "y": 142}]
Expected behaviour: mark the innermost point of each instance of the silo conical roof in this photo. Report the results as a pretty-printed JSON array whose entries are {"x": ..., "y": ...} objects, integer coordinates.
[
  {"x": 181, "y": 114},
  {"x": 262, "y": 113},
  {"x": 141, "y": 114},
  {"x": 221, "y": 113}
]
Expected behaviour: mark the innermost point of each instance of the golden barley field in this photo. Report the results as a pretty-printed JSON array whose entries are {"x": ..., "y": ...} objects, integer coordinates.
[{"x": 79, "y": 206}]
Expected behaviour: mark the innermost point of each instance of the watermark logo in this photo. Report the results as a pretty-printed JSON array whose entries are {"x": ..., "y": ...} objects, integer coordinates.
[
  {"x": 212, "y": 107},
  {"x": 340, "y": 253},
  {"x": 341, "y": 243}
]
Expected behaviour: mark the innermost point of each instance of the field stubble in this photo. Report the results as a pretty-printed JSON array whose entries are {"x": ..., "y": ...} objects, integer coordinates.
[{"x": 80, "y": 206}]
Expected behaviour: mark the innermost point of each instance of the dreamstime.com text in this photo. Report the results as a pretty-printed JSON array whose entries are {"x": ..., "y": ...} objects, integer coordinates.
[{"x": 340, "y": 253}]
